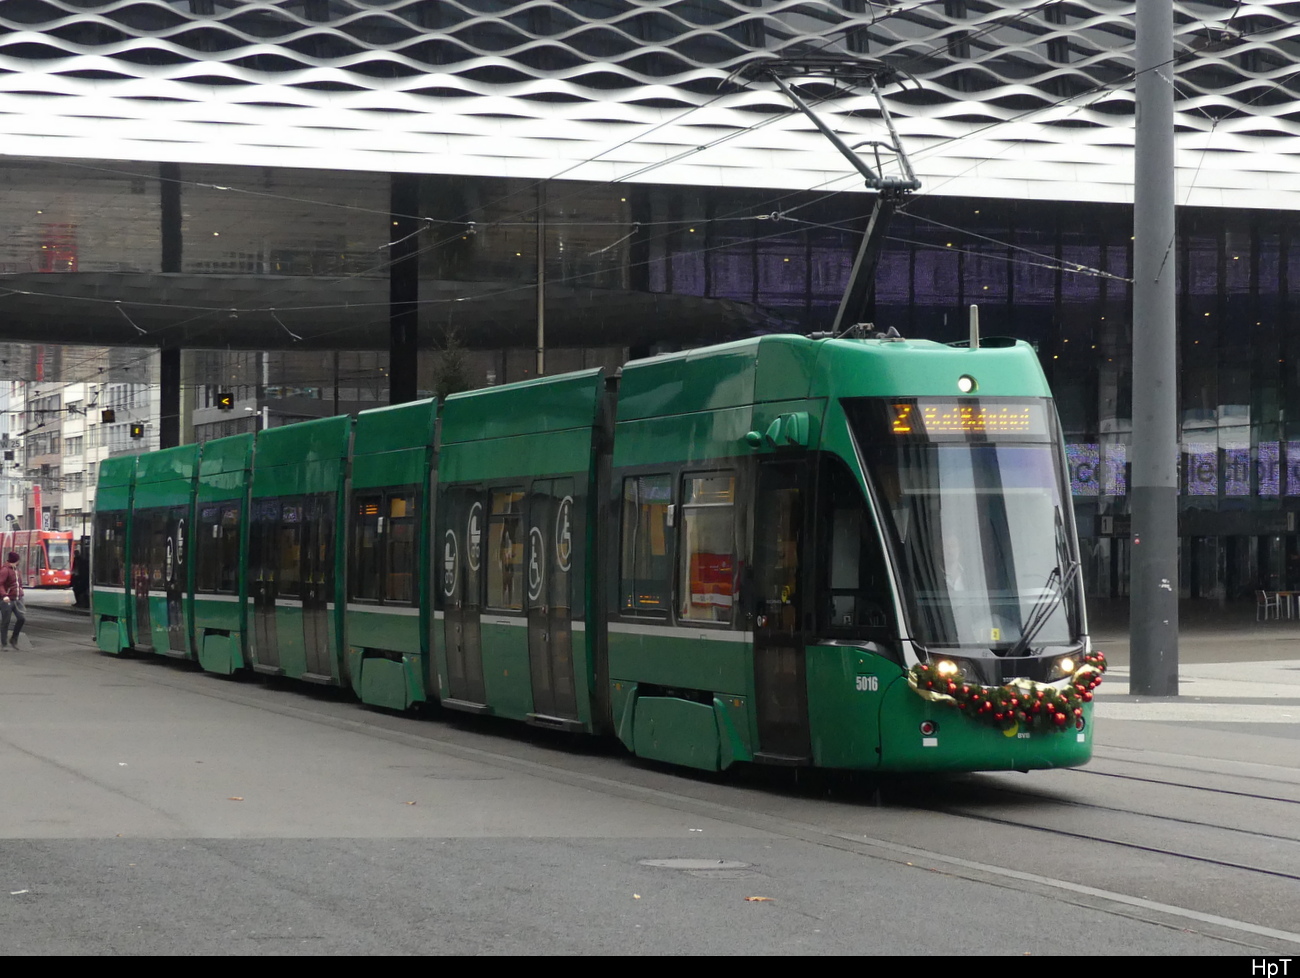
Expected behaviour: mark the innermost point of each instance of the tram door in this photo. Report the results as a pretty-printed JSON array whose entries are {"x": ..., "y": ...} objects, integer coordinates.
[
  {"x": 779, "y": 675},
  {"x": 552, "y": 544},
  {"x": 174, "y": 578},
  {"x": 460, "y": 555},
  {"x": 317, "y": 576},
  {"x": 264, "y": 559},
  {"x": 141, "y": 543}
]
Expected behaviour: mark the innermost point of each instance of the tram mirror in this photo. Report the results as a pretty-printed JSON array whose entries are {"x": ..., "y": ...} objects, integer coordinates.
[{"x": 788, "y": 431}]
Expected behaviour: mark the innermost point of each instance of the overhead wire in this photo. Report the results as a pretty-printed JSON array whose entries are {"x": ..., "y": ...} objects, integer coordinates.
[{"x": 988, "y": 28}]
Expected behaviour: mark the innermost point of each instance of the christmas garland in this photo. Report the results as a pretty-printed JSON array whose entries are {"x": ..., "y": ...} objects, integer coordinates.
[{"x": 1021, "y": 703}]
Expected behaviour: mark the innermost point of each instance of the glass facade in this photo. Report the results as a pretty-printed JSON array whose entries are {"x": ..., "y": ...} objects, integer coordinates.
[{"x": 634, "y": 269}]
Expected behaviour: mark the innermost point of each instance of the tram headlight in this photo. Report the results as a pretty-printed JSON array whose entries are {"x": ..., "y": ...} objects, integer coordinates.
[
  {"x": 946, "y": 667},
  {"x": 1062, "y": 667}
]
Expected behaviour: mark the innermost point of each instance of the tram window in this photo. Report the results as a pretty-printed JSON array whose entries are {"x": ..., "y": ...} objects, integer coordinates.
[
  {"x": 708, "y": 548},
  {"x": 263, "y": 538},
  {"x": 778, "y": 542},
  {"x": 157, "y": 548},
  {"x": 321, "y": 508},
  {"x": 644, "y": 577},
  {"x": 207, "y": 546},
  {"x": 228, "y": 581},
  {"x": 505, "y": 550},
  {"x": 853, "y": 579},
  {"x": 110, "y": 548},
  {"x": 290, "y": 550},
  {"x": 60, "y": 552},
  {"x": 366, "y": 523},
  {"x": 399, "y": 538}
]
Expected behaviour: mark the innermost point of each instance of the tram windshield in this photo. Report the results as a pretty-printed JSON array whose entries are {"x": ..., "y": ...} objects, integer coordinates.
[
  {"x": 972, "y": 497},
  {"x": 60, "y": 552}
]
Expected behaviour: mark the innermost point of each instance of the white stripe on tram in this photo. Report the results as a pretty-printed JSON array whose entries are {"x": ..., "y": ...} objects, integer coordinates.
[
  {"x": 385, "y": 609},
  {"x": 665, "y": 631}
]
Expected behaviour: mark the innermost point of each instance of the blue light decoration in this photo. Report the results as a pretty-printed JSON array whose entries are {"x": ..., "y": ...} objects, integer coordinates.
[
  {"x": 1268, "y": 468},
  {"x": 1085, "y": 469},
  {"x": 1200, "y": 468}
]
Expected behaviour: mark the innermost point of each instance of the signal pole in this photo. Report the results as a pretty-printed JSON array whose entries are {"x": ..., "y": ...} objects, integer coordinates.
[{"x": 1153, "y": 601}]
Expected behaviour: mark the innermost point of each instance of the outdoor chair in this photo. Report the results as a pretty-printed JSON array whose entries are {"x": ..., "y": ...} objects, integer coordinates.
[{"x": 1266, "y": 602}]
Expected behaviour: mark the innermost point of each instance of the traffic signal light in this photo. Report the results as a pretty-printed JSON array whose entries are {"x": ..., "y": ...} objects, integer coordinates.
[
  {"x": 137, "y": 430},
  {"x": 107, "y": 416},
  {"x": 225, "y": 401}
]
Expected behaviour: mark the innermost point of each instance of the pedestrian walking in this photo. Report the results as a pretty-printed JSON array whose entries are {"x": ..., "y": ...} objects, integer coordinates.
[{"x": 11, "y": 588}]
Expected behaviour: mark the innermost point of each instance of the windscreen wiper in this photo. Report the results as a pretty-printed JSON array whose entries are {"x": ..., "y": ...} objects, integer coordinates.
[{"x": 1053, "y": 593}]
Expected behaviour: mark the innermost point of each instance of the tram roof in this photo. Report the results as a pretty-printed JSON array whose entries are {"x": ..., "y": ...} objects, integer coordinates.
[
  {"x": 396, "y": 427},
  {"x": 167, "y": 464},
  {"x": 229, "y": 454},
  {"x": 788, "y": 368},
  {"x": 529, "y": 407},
  {"x": 117, "y": 470},
  {"x": 306, "y": 441}
]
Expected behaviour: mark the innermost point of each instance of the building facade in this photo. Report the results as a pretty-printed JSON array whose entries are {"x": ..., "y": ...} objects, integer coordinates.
[{"x": 213, "y": 172}]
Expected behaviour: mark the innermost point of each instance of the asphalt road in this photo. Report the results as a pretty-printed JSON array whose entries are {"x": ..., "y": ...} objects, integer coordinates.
[{"x": 147, "y": 808}]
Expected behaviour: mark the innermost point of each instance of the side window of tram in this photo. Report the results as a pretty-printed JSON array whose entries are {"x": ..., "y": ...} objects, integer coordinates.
[
  {"x": 459, "y": 542},
  {"x": 383, "y": 547},
  {"x": 228, "y": 552},
  {"x": 366, "y": 523},
  {"x": 399, "y": 540},
  {"x": 110, "y": 548},
  {"x": 207, "y": 549},
  {"x": 708, "y": 548},
  {"x": 216, "y": 549},
  {"x": 856, "y": 586},
  {"x": 263, "y": 537},
  {"x": 645, "y": 575},
  {"x": 158, "y": 550},
  {"x": 288, "y": 573},
  {"x": 505, "y": 555}
]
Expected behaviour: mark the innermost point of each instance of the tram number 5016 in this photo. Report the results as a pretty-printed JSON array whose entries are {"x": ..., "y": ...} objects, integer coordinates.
[{"x": 868, "y": 684}]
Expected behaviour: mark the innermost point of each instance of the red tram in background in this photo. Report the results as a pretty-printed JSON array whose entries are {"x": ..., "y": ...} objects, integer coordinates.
[{"x": 44, "y": 556}]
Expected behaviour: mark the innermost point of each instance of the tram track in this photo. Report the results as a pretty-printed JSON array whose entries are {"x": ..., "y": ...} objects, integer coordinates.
[
  {"x": 908, "y": 826},
  {"x": 1254, "y": 796},
  {"x": 1155, "y": 850}
]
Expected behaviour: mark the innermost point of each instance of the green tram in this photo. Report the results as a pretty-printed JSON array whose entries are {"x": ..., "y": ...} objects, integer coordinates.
[{"x": 842, "y": 553}]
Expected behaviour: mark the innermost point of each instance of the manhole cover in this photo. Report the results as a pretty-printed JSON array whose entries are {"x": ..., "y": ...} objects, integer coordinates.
[{"x": 695, "y": 865}]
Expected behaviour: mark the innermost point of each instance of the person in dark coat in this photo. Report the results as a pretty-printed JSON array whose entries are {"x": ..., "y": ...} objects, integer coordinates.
[
  {"x": 80, "y": 577},
  {"x": 11, "y": 601}
]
